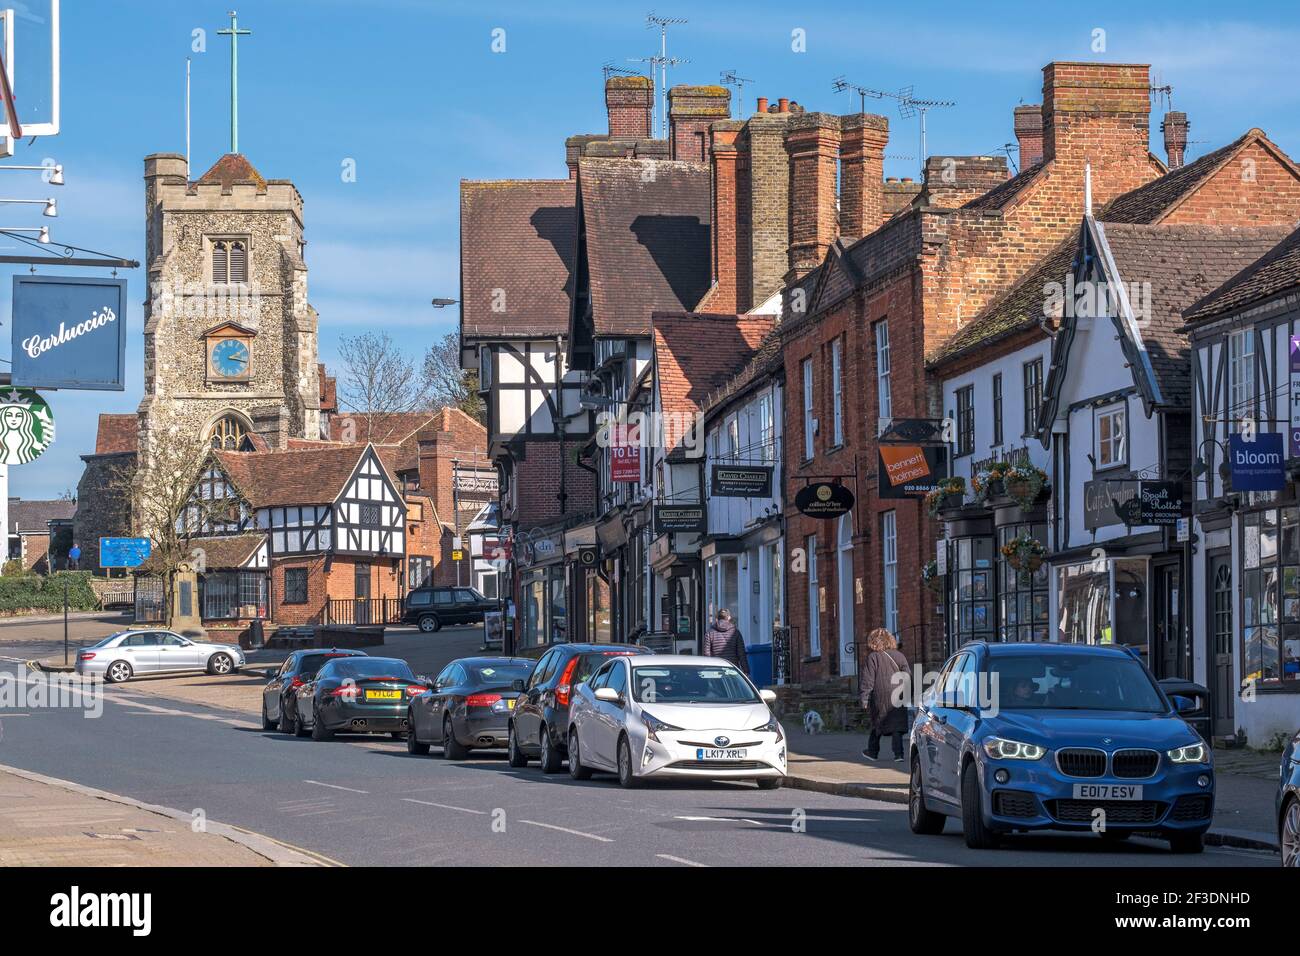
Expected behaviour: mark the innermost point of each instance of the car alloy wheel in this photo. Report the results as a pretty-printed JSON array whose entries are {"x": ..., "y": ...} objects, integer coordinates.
[
  {"x": 267, "y": 722},
  {"x": 287, "y": 721},
  {"x": 576, "y": 770},
  {"x": 514, "y": 756},
  {"x": 1291, "y": 834},
  {"x": 919, "y": 818},
  {"x": 413, "y": 746},
  {"x": 318, "y": 729},
  {"x": 118, "y": 672},
  {"x": 978, "y": 835},
  {"x": 549, "y": 756},
  {"x": 452, "y": 749},
  {"x": 220, "y": 664},
  {"x": 627, "y": 778}
]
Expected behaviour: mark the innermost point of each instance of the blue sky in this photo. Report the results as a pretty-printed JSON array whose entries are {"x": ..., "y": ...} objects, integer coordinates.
[{"x": 412, "y": 91}]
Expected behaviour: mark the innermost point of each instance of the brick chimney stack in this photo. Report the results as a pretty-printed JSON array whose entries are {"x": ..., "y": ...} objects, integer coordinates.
[
  {"x": 690, "y": 111},
  {"x": 863, "y": 137},
  {"x": 630, "y": 102},
  {"x": 812, "y": 143},
  {"x": 1098, "y": 113},
  {"x": 1029, "y": 134},
  {"x": 953, "y": 181},
  {"x": 1175, "y": 127},
  {"x": 730, "y": 245}
]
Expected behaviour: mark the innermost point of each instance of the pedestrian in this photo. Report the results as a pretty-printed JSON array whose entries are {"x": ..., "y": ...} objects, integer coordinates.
[
  {"x": 723, "y": 640},
  {"x": 887, "y": 713}
]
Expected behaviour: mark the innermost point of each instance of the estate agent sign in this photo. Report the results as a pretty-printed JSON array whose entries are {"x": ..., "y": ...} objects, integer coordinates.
[
  {"x": 680, "y": 518},
  {"x": 742, "y": 481},
  {"x": 69, "y": 332}
]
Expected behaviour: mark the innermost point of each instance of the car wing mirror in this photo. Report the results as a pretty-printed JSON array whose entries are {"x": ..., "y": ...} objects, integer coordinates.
[
  {"x": 609, "y": 695},
  {"x": 768, "y": 696},
  {"x": 1184, "y": 705}
]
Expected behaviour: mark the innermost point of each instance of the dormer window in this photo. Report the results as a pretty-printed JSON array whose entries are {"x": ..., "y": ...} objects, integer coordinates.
[{"x": 229, "y": 261}]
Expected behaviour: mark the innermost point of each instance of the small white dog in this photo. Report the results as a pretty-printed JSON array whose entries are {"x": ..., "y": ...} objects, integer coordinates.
[{"x": 813, "y": 723}]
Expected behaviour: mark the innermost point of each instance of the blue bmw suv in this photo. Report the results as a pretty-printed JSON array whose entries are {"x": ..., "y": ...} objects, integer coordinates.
[{"x": 1018, "y": 737}]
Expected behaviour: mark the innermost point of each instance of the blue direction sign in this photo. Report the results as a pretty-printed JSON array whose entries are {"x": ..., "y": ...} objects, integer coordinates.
[{"x": 123, "y": 552}]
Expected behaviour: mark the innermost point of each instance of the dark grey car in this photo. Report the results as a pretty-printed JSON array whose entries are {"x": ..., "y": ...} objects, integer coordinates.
[
  {"x": 1288, "y": 803},
  {"x": 467, "y": 707},
  {"x": 279, "y": 696}
]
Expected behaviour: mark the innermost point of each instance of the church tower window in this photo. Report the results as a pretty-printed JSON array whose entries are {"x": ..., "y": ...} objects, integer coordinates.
[
  {"x": 229, "y": 262},
  {"x": 230, "y": 434}
]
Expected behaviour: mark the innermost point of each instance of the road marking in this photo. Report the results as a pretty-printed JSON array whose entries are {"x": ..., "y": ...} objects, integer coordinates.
[
  {"x": 552, "y": 826},
  {"x": 678, "y": 859},
  {"x": 756, "y": 823},
  {"x": 446, "y": 806},
  {"x": 334, "y": 786}
]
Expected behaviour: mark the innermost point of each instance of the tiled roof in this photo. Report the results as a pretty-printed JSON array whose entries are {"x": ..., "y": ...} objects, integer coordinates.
[
  {"x": 303, "y": 476},
  {"x": 36, "y": 515},
  {"x": 1002, "y": 194},
  {"x": 1176, "y": 266},
  {"x": 223, "y": 553},
  {"x": 117, "y": 434},
  {"x": 389, "y": 427},
  {"x": 518, "y": 242},
  {"x": 1022, "y": 306},
  {"x": 647, "y": 239},
  {"x": 765, "y": 361},
  {"x": 233, "y": 168},
  {"x": 696, "y": 353},
  {"x": 1275, "y": 272}
]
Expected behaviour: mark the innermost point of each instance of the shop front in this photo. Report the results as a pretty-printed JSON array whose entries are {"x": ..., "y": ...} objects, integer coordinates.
[
  {"x": 543, "y": 615},
  {"x": 746, "y": 575}
]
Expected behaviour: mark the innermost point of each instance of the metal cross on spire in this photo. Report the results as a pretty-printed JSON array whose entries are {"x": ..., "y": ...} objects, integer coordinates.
[{"x": 234, "y": 33}]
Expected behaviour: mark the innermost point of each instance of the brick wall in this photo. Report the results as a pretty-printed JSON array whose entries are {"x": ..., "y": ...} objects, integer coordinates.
[
  {"x": 691, "y": 109},
  {"x": 1254, "y": 188},
  {"x": 537, "y": 484},
  {"x": 629, "y": 101}
]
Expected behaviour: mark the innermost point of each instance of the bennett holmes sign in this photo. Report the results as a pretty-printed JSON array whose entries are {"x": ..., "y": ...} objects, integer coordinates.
[{"x": 69, "y": 332}]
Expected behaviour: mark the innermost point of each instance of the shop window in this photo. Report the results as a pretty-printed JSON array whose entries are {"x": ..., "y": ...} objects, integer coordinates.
[
  {"x": 223, "y": 593},
  {"x": 889, "y": 553},
  {"x": 970, "y": 574},
  {"x": 1033, "y": 384},
  {"x": 1270, "y": 600},
  {"x": 1022, "y": 595},
  {"x": 295, "y": 586},
  {"x": 1083, "y": 603}
]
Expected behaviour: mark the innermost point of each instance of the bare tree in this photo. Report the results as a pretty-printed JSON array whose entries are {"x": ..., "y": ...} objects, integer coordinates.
[
  {"x": 379, "y": 384},
  {"x": 450, "y": 384},
  {"x": 160, "y": 482}
]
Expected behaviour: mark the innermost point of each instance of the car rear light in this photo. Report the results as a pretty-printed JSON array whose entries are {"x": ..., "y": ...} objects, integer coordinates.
[
  {"x": 564, "y": 690},
  {"x": 86, "y": 656},
  {"x": 481, "y": 700},
  {"x": 297, "y": 682},
  {"x": 348, "y": 690},
  {"x": 416, "y": 689}
]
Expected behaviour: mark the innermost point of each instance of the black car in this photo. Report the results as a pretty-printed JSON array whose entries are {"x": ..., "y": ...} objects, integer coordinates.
[
  {"x": 467, "y": 706},
  {"x": 1288, "y": 803},
  {"x": 431, "y": 608},
  {"x": 539, "y": 725},
  {"x": 360, "y": 695},
  {"x": 279, "y": 696}
]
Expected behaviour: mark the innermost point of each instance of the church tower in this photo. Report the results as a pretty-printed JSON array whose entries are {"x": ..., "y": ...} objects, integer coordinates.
[{"x": 230, "y": 341}]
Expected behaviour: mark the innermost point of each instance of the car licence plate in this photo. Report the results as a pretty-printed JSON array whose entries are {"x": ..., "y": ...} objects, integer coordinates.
[
  {"x": 707, "y": 753},
  {"x": 383, "y": 695},
  {"x": 1107, "y": 791}
]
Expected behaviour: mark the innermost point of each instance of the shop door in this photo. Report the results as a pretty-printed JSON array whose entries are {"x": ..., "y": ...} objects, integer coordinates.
[
  {"x": 362, "y": 578},
  {"x": 1171, "y": 655},
  {"x": 1219, "y": 640}
]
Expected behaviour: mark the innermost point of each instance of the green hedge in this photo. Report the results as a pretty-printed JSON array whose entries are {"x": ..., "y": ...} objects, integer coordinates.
[{"x": 34, "y": 592}]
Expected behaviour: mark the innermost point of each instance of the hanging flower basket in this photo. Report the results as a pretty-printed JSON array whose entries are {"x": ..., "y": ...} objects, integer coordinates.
[
  {"x": 947, "y": 495},
  {"x": 1024, "y": 553},
  {"x": 1024, "y": 483},
  {"x": 931, "y": 578},
  {"x": 989, "y": 482}
]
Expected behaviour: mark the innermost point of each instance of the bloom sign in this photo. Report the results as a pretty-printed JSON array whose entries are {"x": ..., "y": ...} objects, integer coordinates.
[{"x": 69, "y": 332}]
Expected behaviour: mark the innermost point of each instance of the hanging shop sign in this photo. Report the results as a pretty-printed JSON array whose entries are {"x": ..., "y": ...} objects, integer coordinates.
[
  {"x": 1106, "y": 502},
  {"x": 69, "y": 332},
  {"x": 824, "y": 500},
  {"x": 680, "y": 518},
  {"x": 1295, "y": 397},
  {"x": 1258, "y": 465},
  {"x": 914, "y": 431},
  {"x": 911, "y": 471},
  {"x": 26, "y": 426},
  {"x": 742, "y": 481},
  {"x": 1159, "y": 503}
]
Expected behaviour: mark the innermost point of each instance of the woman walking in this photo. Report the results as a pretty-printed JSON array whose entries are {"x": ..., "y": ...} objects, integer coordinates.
[{"x": 886, "y": 709}]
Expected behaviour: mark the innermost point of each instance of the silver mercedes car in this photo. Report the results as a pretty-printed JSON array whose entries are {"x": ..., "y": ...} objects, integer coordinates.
[{"x": 134, "y": 653}]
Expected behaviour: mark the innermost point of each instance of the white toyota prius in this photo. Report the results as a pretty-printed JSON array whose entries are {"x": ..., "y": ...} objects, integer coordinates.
[{"x": 649, "y": 716}]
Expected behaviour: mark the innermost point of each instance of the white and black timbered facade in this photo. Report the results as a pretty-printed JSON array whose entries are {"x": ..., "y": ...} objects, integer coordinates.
[{"x": 369, "y": 516}]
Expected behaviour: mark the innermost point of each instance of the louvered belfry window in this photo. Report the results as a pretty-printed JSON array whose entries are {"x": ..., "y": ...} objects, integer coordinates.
[{"x": 229, "y": 262}]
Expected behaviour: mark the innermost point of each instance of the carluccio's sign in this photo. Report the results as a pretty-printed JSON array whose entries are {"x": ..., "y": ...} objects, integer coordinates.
[{"x": 824, "y": 499}]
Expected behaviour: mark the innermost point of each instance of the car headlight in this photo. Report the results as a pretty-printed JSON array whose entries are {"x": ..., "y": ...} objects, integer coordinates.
[
  {"x": 999, "y": 748},
  {"x": 1192, "y": 753},
  {"x": 773, "y": 726},
  {"x": 653, "y": 726}
]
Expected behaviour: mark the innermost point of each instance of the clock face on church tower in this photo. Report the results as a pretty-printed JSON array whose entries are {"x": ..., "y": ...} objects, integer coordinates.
[{"x": 229, "y": 359}]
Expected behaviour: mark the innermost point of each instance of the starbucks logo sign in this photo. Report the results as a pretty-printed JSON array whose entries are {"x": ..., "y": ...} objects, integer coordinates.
[{"x": 26, "y": 426}]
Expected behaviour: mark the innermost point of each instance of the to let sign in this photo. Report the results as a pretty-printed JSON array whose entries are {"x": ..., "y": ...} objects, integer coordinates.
[
  {"x": 69, "y": 333},
  {"x": 625, "y": 453}
]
